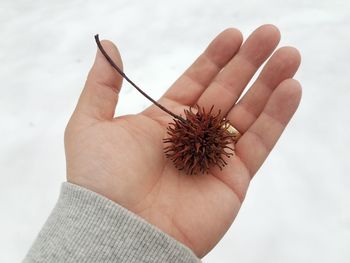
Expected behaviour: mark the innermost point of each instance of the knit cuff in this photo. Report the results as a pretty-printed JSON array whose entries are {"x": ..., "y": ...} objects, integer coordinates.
[{"x": 87, "y": 227}]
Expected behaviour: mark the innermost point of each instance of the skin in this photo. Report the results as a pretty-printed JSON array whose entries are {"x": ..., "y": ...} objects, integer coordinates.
[{"x": 122, "y": 158}]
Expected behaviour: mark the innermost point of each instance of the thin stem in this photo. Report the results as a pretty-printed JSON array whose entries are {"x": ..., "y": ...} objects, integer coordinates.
[{"x": 114, "y": 65}]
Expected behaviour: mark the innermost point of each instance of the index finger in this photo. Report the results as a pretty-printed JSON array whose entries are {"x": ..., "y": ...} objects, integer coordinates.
[{"x": 188, "y": 88}]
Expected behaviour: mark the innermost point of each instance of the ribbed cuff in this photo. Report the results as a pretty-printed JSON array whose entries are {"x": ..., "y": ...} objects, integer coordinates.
[{"x": 87, "y": 227}]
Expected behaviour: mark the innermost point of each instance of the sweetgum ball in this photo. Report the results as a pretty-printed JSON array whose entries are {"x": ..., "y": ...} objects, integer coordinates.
[{"x": 198, "y": 142}]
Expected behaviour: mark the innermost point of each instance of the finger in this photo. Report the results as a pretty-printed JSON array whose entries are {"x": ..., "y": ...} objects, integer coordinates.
[
  {"x": 100, "y": 94},
  {"x": 282, "y": 65},
  {"x": 257, "y": 142},
  {"x": 226, "y": 88},
  {"x": 187, "y": 89}
]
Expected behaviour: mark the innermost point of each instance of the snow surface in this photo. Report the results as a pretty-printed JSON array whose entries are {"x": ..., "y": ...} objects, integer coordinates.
[{"x": 298, "y": 206}]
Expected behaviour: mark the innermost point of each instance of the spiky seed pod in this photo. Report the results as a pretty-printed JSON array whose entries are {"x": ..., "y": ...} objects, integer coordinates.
[{"x": 199, "y": 142}]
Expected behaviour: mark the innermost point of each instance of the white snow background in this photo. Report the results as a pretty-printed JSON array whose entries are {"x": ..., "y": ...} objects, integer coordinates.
[{"x": 298, "y": 205}]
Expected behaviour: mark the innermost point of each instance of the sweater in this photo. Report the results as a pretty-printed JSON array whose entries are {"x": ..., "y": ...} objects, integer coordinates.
[{"x": 87, "y": 227}]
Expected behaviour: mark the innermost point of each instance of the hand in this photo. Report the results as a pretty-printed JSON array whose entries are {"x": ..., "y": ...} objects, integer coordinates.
[{"x": 122, "y": 158}]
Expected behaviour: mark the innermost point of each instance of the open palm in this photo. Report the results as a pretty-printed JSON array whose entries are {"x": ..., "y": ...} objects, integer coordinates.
[{"x": 122, "y": 158}]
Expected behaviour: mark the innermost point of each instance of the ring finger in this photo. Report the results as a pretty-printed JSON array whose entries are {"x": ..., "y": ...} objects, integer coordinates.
[{"x": 282, "y": 65}]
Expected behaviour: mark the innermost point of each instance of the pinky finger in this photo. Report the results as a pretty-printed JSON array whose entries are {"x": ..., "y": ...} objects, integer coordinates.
[{"x": 258, "y": 141}]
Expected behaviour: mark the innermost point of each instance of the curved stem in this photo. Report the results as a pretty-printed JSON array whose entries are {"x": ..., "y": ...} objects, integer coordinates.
[{"x": 114, "y": 65}]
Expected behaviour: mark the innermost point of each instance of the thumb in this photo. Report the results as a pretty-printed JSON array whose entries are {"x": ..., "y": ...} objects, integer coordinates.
[{"x": 100, "y": 94}]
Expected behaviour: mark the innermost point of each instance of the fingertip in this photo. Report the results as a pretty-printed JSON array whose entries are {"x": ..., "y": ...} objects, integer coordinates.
[
  {"x": 111, "y": 50},
  {"x": 270, "y": 29},
  {"x": 298, "y": 90},
  {"x": 233, "y": 33},
  {"x": 285, "y": 100},
  {"x": 224, "y": 46},
  {"x": 289, "y": 53},
  {"x": 260, "y": 44},
  {"x": 285, "y": 60},
  {"x": 292, "y": 88}
]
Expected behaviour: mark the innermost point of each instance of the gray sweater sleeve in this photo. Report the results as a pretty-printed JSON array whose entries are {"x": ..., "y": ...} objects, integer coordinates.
[{"x": 87, "y": 227}]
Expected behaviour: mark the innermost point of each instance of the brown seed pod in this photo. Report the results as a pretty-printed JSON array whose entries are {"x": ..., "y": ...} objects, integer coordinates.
[{"x": 199, "y": 142}]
